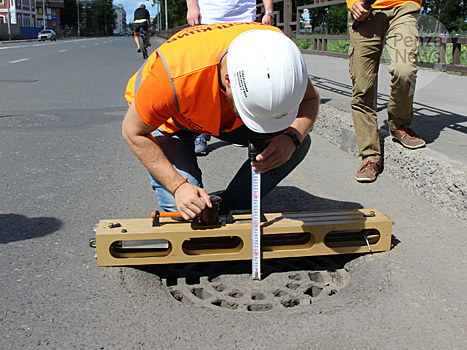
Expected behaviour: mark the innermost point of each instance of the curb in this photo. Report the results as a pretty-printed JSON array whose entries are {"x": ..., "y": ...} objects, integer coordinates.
[{"x": 438, "y": 178}]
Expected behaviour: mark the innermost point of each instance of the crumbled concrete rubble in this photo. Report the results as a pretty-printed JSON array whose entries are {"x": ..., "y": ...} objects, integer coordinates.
[{"x": 436, "y": 177}]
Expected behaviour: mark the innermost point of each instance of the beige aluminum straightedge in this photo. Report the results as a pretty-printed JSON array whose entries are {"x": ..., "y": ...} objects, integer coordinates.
[{"x": 137, "y": 242}]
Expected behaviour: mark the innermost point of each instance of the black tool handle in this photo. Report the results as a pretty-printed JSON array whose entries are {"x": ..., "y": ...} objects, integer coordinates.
[
  {"x": 256, "y": 145},
  {"x": 367, "y": 6}
]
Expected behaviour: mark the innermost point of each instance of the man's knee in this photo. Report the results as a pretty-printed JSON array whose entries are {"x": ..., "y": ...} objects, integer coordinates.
[
  {"x": 363, "y": 100},
  {"x": 406, "y": 72}
]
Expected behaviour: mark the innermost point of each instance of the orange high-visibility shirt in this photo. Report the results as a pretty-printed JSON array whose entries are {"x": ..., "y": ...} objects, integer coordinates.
[
  {"x": 385, "y": 4},
  {"x": 179, "y": 88}
]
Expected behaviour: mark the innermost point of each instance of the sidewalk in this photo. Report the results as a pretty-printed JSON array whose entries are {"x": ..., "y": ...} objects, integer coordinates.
[{"x": 437, "y": 172}]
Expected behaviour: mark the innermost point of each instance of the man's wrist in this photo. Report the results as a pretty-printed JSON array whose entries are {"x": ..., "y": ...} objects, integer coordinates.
[
  {"x": 269, "y": 13},
  {"x": 294, "y": 138},
  {"x": 181, "y": 183}
]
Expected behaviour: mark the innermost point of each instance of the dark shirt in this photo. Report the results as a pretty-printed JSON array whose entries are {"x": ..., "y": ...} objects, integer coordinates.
[{"x": 141, "y": 13}]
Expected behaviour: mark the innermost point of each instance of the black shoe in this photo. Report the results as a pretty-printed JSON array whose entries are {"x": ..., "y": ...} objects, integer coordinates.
[
  {"x": 138, "y": 49},
  {"x": 149, "y": 44}
]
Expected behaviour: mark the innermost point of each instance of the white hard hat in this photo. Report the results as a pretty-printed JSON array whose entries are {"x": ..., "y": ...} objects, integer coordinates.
[{"x": 268, "y": 78}]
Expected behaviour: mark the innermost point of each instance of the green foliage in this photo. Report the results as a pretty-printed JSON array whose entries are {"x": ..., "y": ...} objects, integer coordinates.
[
  {"x": 338, "y": 45},
  {"x": 451, "y": 13},
  {"x": 95, "y": 19},
  {"x": 329, "y": 20},
  {"x": 303, "y": 44},
  {"x": 69, "y": 14},
  {"x": 176, "y": 13},
  {"x": 334, "y": 45},
  {"x": 336, "y": 19},
  {"x": 100, "y": 17},
  {"x": 428, "y": 51}
]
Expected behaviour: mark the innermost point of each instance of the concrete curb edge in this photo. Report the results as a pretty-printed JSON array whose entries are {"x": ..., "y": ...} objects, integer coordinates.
[{"x": 438, "y": 178}]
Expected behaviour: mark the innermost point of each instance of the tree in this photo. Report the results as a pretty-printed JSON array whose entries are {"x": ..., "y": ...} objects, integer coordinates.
[
  {"x": 333, "y": 18},
  {"x": 69, "y": 14},
  {"x": 451, "y": 13},
  {"x": 176, "y": 13},
  {"x": 336, "y": 19},
  {"x": 100, "y": 17}
]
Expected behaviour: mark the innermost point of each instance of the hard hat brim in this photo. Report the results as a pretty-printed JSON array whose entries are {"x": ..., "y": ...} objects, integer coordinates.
[{"x": 268, "y": 126}]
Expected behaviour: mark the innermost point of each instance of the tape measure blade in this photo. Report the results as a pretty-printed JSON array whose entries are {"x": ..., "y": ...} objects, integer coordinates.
[{"x": 256, "y": 223}]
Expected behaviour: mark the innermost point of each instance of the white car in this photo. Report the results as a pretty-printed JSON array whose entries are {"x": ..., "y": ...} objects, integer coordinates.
[{"x": 47, "y": 34}]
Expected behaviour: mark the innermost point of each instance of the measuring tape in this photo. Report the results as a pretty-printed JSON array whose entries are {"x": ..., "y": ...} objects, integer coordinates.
[
  {"x": 256, "y": 145},
  {"x": 256, "y": 224}
]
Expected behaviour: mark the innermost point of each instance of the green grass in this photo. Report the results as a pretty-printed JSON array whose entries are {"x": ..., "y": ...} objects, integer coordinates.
[
  {"x": 427, "y": 53},
  {"x": 334, "y": 45}
]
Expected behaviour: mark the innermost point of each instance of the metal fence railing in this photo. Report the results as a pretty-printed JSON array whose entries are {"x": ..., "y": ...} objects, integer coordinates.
[
  {"x": 165, "y": 34},
  {"x": 283, "y": 20}
]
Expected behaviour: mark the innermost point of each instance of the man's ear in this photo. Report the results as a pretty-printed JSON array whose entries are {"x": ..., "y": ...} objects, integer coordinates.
[{"x": 227, "y": 81}]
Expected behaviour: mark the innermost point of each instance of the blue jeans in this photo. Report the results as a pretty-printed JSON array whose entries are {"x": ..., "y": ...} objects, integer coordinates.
[
  {"x": 179, "y": 149},
  {"x": 207, "y": 138}
]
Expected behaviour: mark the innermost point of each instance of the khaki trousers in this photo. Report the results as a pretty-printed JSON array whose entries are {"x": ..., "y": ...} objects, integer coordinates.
[{"x": 398, "y": 29}]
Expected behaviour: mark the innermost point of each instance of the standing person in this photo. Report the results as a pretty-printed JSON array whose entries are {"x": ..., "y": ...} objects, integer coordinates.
[
  {"x": 234, "y": 81},
  {"x": 142, "y": 20},
  {"x": 394, "y": 23},
  {"x": 222, "y": 11}
]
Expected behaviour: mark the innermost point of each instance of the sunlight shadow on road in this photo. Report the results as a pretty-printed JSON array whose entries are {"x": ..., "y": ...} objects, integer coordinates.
[{"x": 16, "y": 227}]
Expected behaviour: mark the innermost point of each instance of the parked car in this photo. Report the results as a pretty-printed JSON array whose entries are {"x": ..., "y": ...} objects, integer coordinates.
[{"x": 47, "y": 34}]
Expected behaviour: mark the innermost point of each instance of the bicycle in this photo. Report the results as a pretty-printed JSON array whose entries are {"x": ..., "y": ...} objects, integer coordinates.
[{"x": 143, "y": 43}]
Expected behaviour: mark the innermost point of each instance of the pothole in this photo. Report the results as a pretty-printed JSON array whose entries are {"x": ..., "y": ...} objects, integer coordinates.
[
  {"x": 286, "y": 283},
  {"x": 28, "y": 120}
]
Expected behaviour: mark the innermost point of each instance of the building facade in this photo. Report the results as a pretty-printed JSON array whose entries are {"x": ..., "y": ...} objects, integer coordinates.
[
  {"x": 120, "y": 19},
  {"x": 30, "y": 13}
]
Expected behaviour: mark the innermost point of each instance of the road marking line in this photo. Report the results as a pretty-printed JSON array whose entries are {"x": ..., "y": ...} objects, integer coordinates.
[
  {"x": 62, "y": 50},
  {"x": 21, "y": 60}
]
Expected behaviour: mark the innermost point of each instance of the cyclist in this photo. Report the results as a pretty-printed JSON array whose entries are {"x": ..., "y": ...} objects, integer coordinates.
[{"x": 142, "y": 21}]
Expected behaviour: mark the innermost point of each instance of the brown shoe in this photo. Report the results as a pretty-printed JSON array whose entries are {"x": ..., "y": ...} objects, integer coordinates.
[
  {"x": 367, "y": 172},
  {"x": 408, "y": 138}
]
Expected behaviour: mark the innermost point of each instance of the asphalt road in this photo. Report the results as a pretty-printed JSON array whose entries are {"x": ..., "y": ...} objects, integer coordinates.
[{"x": 64, "y": 166}]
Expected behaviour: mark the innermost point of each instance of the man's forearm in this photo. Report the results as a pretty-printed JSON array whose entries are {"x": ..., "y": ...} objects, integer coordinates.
[
  {"x": 268, "y": 6},
  {"x": 137, "y": 136},
  {"x": 191, "y": 4},
  {"x": 307, "y": 113}
]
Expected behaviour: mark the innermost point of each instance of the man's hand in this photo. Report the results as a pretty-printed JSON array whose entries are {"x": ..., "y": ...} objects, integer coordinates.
[
  {"x": 278, "y": 151},
  {"x": 280, "y": 148},
  {"x": 358, "y": 11},
  {"x": 193, "y": 16},
  {"x": 191, "y": 200},
  {"x": 267, "y": 19},
  {"x": 268, "y": 7}
]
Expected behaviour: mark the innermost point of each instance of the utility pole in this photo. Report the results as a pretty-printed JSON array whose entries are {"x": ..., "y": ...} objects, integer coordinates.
[
  {"x": 105, "y": 18},
  {"x": 9, "y": 21},
  {"x": 43, "y": 13},
  {"x": 97, "y": 23},
  {"x": 77, "y": 7},
  {"x": 166, "y": 21},
  {"x": 158, "y": 15}
]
